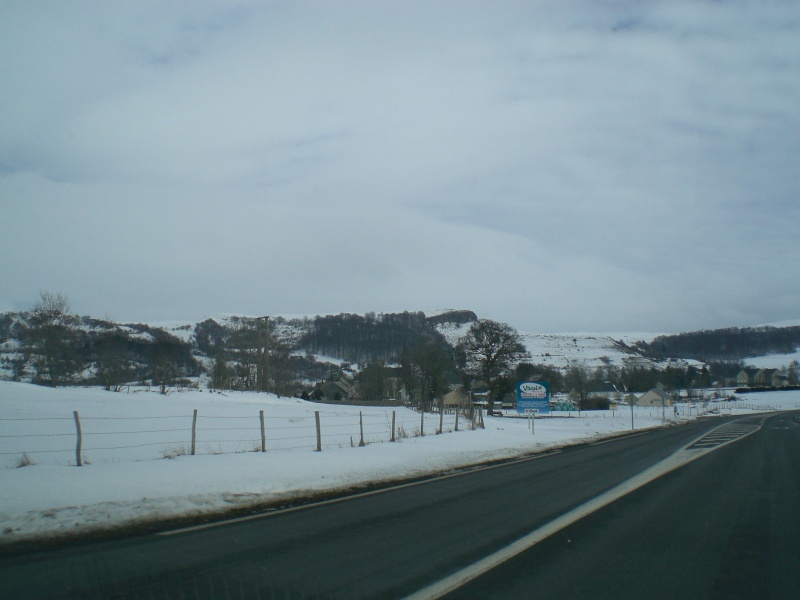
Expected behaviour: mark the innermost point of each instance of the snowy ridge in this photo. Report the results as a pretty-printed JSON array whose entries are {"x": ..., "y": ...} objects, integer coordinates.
[
  {"x": 559, "y": 350},
  {"x": 565, "y": 350}
]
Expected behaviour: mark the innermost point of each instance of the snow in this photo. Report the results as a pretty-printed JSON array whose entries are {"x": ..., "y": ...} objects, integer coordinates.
[
  {"x": 138, "y": 468},
  {"x": 778, "y": 324},
  {"x": 772, "y": 361},
  {"x": 183, "y": 330},
  {"x": 453, "y": 332},
  {"x": 563, "y": 350}
]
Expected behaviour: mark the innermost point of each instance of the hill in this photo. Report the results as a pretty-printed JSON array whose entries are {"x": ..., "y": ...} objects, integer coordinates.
[
  {"x": 306, "y": 349},
  {"x": 729, "y": 344}
]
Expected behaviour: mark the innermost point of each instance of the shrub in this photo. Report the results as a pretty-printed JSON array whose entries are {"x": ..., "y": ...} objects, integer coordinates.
[
  {"x": 595, "y": 403},
  {"x": 25, "y": 461}
]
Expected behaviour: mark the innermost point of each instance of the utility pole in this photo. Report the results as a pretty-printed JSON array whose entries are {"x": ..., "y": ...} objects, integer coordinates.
[
  {"x": 259, "y": 360},
  {"x": 632, "y": 428},
  {"x": 262, "y": 368}
]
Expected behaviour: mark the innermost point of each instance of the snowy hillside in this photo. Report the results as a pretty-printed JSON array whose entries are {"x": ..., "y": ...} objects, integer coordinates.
[
  {"x": 589, "y": 349},
  {"x": 320, "y": 343}
]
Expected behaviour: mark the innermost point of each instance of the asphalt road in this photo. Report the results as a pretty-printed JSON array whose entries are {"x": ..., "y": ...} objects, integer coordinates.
[
  {"x": 726, "y": 526},
  {"x": 393, "y": 543}
]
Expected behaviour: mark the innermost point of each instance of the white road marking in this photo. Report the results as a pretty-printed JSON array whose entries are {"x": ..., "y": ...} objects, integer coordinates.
[{"x": 618, "y": 438}]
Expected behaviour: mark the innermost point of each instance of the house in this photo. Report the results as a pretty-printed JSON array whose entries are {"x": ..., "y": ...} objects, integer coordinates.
[
  {"x": 780, "y": 380},
  {"x": 655, "y": 397},
  {"x": 754, "y": 377},
  {"x": 746, "y": 377},
  {"x": 334, "y": 389},
  {"x": 770, "y": 378},
  {"x": 394, "y": 390},
  {"x": 457, "y": 398}
]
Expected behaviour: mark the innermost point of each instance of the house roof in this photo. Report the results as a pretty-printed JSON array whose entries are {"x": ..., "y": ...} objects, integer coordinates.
[
  {"x": 658, "y": 391},
  {"x": 770, "y": 372}
]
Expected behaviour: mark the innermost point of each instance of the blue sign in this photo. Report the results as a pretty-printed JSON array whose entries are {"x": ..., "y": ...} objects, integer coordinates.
[{"x": 533, "y": 397}]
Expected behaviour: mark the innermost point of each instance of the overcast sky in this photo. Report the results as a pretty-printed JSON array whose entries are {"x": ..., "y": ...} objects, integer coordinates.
[{"x": 560, "y": 165}]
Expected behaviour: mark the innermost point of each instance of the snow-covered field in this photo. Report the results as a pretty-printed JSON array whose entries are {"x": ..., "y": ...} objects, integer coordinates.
[
  {"x": 564, "y": 350},
  {"x": 138, "y": 467},
  {"x": 772, "y": 361}
]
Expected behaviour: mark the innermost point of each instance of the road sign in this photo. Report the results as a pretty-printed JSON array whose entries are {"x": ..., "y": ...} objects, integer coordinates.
[{"x": 533, "y": 396}]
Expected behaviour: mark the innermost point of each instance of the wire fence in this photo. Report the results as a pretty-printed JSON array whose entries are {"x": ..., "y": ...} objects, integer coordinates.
[
  {"x": 83, "y": 439},
  {"x": 658, "y": 411}
]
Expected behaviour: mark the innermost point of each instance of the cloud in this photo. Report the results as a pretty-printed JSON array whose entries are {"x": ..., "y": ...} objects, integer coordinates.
[{"x": 566, "y": 165}]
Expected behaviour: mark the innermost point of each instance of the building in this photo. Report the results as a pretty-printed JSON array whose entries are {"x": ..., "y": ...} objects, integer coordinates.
[
  {"x": 754, "y": 377},
  {"x": 770, "y": 378},
  {"x": 746, "y": 377},
  {"x": 334, "y": 389},
  {"x": 655, "y": 397},
  {"x": 458, "y": 398}
]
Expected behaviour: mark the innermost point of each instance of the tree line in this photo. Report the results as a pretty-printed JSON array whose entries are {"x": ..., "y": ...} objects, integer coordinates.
[
  {"x": 366, "y": 338},
  {"x": 721, "y": 345}
]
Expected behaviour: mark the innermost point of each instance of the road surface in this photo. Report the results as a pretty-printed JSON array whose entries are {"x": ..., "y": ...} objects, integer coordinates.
[{"x": 726, "y": 526}]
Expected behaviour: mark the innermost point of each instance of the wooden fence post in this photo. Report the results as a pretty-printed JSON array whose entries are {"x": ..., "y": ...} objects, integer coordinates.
[
  {"x": 263, "y": 432},
  {"x": 394, "y": 412},
  {"x": 319, "y": 433},
  {"x": 78, "y": 459},
  {"x": 457, "y": 411},
  {"x": 422, "y": 422},
  {"x": 441, "y": 417},
  {"x": 194, "y": 431},
  {"x": 361, "y": 443}
]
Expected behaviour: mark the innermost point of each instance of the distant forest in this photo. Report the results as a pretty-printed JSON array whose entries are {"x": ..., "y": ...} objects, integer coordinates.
[
  {"x": 64, "y": 353},
  {"x": 367, "y": 338},
  {"x": 55, "y": 347},
  {"x": 732, "y": 344}
]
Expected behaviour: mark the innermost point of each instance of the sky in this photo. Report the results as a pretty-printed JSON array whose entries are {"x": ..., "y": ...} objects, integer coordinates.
[{"x": 559, "y": 165}]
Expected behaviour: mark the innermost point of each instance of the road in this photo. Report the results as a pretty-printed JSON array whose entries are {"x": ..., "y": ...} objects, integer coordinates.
[
  {"x": 394, "y": 543},
  {"x": 726, "y": 526}
]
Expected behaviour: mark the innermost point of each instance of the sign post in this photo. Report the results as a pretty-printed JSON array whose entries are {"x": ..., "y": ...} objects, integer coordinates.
[
  {"x": 531, "y": 412},
  {"x": 533, "y": 396}
]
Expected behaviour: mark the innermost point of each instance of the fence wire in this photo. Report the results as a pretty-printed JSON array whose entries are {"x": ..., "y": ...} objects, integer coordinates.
[{"x": 103, "y": 438}]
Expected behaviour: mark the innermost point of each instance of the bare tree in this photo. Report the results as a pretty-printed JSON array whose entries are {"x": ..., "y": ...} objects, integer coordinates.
[
  {"x": 221, "y": 372},
  {"x": 244, "y": 351},
  {"x": 424, "y": 366},
  {"x": 577, "y": 380},
  {"x": 793, "y": 373},
  {"x": 114, "y": 361},
  {"x": 489, "y": 351},
  {"x": 281, "y": 376},
  {"x": 50, "y": 338},
  {"x": 167, "y": 358},
  {"x": 373, "y": 382}
]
